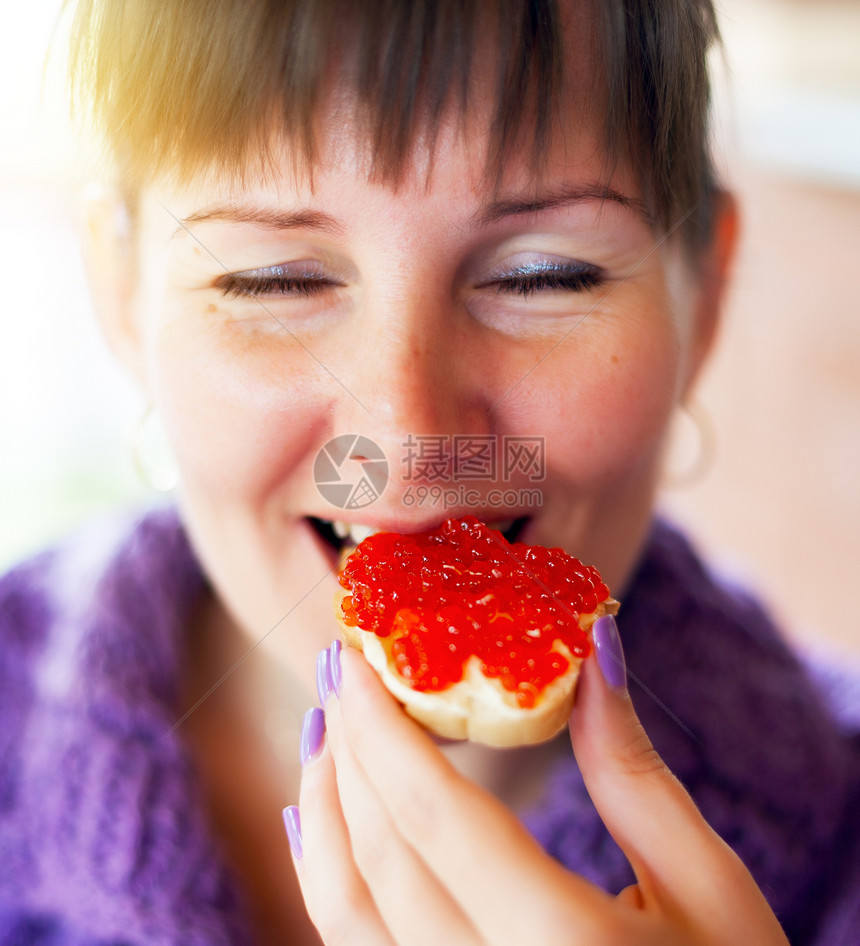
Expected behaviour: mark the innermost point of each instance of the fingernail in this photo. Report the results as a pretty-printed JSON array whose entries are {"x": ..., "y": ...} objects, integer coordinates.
[
  {"x": 610, "y": 653},
  {"x": 325, "y": 686},
  {"x": 313, "y": 730},
  {"x": 334, "y": 666},
  {"x": 293, "y": 824}
]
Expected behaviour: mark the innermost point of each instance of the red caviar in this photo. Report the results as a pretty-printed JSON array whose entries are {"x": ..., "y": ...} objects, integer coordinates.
[{"x": 463, "y": 589}]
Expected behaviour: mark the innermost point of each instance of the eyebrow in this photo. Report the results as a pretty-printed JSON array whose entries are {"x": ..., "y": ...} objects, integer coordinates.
[
  {"x": 306, "y": 219},
  {"x": 267, "y": 218},
  {"x": 509, "y": 207}
]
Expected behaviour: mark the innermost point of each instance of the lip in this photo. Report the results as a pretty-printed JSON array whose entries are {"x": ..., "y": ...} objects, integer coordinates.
[{"x": 322, "y": 529}]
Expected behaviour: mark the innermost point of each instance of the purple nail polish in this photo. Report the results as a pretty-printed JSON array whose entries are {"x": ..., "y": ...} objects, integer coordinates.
[
  {"x": 293, "y": 824},
  {"x": 334, "y": 666},
  {"x": 325, "y": 686},
  {"x": 610, "y": 653},
  {"x": 313, "y": 731}
]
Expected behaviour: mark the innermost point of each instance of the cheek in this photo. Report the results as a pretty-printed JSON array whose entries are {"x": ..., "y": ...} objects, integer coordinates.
[
  {"x": 603, "y": 403},
  {"x": 241, "y": 412}
]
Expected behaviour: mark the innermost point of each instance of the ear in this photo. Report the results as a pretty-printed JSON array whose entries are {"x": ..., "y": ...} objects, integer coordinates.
[
  {"x": 714, "y": 269},
  {"x": 109, "y": 257}
]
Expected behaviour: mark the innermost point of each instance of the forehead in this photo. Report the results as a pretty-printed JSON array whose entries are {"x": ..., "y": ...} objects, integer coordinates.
[
  {"x": 440, "y": 208},
  {"x": 450, "y": 170}
]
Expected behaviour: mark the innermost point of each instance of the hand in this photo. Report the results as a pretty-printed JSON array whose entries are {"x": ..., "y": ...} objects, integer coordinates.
[{"x": 399, "y": 848}]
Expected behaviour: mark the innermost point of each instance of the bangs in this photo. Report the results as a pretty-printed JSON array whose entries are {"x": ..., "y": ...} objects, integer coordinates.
[
  {"x": 185, "y": 87},
  {"x": 191, "y": 86}
]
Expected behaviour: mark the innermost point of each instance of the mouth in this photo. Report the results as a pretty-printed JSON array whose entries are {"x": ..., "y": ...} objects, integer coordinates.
[{"x": 338, "y": 534}]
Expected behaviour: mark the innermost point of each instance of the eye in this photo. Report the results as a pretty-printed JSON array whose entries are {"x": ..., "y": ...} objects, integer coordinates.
[
  {"x": 298, "y": 280},
  {"x": 546, "y": 276}
]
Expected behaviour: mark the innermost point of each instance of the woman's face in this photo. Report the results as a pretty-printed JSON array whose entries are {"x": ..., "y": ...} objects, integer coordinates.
[{"x": 541, "y": 328}]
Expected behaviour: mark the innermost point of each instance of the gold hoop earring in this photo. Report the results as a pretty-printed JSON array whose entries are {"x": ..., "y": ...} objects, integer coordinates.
[
  {"x": 696, "y": 453},
  {"x": 150, "y": 453}
]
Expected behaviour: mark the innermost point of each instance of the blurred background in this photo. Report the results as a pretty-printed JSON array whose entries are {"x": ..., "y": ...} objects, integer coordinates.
[{"x": 779, "y": 506}]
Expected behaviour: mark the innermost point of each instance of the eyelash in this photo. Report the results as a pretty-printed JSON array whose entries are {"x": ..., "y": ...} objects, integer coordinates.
[
  {"x": 525, "y": 281},
  {"x": 234, "y": 287},
  {"x": 522, "y": 282}
]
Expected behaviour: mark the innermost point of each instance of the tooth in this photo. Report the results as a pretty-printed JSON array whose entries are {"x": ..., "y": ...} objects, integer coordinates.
[
  {"x": 341, "y": 529},
  {"x": 358, "y": 533},
  {"x": 501, "y": 525}
]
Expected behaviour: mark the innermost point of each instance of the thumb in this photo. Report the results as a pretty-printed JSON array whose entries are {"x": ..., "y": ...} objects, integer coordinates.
[{"x": 645, "y": 808}]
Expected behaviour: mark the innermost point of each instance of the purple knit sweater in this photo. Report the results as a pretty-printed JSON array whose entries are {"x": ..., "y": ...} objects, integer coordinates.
[{"x": 103, "y": 839}]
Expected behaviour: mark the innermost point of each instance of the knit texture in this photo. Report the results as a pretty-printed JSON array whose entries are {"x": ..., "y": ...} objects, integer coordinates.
[{"x": 103, "y": 838}]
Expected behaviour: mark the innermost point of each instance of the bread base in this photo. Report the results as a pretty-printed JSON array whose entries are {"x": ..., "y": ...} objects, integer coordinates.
[{"x": 477, "y": 708}]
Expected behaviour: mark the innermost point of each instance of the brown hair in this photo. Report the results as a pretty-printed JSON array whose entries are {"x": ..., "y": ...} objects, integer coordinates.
[{"x": 189, "y": 85}]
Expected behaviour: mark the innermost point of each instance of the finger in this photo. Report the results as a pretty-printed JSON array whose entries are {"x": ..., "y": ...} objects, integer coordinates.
[
  {"x": 631, "y": 896},
  {"x": 416, "y": 908},
  {"x": 336, "y": 896},
  {"x": 476, "y": 847},
  {"x": 675, "y": 854}
]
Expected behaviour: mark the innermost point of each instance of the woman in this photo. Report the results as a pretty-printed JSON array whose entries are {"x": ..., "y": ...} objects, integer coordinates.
[{"x": 405, "y": 221}]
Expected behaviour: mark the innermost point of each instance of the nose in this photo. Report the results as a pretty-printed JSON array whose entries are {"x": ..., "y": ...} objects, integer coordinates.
[{"x": 413, "y": 385}]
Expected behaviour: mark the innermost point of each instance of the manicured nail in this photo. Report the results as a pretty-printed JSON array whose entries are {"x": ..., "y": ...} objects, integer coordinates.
[
  {"x": 293, "y": 824},
  {"x": 313, "y": 730},
  {"x": 334, "y": 666},
  {"x": 610, "y": 653},
  {"x": 325, "y": 685}
]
